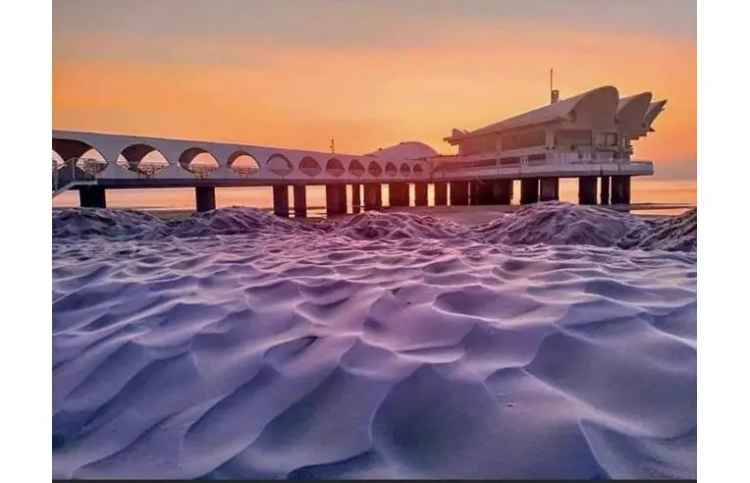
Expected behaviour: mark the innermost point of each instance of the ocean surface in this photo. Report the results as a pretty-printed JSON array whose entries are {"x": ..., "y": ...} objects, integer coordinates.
[
  {"x": 555, "y": 342},
  {"x": 643, "y": 191}
]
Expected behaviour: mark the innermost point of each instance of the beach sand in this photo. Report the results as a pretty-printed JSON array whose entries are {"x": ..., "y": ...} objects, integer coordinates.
[{"x": 558, "y": 341}]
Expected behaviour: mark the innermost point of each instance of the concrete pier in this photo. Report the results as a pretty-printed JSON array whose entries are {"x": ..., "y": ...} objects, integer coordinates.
[
  {"x": 356, "y": 198},
  {"x": 280, "y": 200},
  {"x": 587, "y": 190},
  {"x": 441, "y": 193},
  {"x": 604, "y": 190},
  {"x": 502, "y": 191},
  {"x": 300, "y": 201},
  {"x": 335, "y": 199},
  {"x": 373, "y": 196},
  {"x": 620, "y": 190},
  {"x": 420, "y": 194},
  {"x": 398, "y": 194},
  {"x": 549, "y": 189},
  {"x": 459, "y": 193},
  {"x": 529, "y": 190},
  {"x": 93, "y": 197}
]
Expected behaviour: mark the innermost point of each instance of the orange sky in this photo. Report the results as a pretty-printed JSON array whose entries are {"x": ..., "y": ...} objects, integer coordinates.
[{"x": 232, "y": 86}]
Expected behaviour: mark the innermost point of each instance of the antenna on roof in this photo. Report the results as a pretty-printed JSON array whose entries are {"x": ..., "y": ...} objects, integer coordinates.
[
  {"x": 333, "y": 146},
  {"x": 554, "y": 93}
]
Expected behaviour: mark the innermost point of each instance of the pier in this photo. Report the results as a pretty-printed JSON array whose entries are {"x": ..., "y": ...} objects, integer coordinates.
[{"x": 587, "y": 137}]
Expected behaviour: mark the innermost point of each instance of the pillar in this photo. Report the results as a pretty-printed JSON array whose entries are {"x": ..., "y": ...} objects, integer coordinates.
[
  {"x": 587, "y": 190},
  {"x": 300, "y": 201},
  {"x": 335, "y": 199},
  {"x": 372, "y": 196},
  {"x": 420, "y": 194},
  {"x": 92, "y": 197},
  {"x": 281, "y": 200},
  {"x": 398, "y": 194},
  {"x": 604, "y": 191},
  {"x": 620, "y": 190},
  {"x": 549, "y": 189},
  {"x": 502, "y": 191},
  {"x": 459, "y": 193},
  {"x": 529, "y": 190},
  {"x": 483, "y": 192},
  {"x": 205, "y": 198},
  {"x": 441, "y": 193},
  {"x": 356, "y": 198}
]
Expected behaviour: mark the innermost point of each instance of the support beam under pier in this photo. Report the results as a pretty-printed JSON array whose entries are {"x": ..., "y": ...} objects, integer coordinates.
[
  {"x": 529, "y": 190},
  {"x": 482, "y": 192},
  {"x": 92, "y": 197},
  {"x": 281, "y": 200},
  {"x": 502, "y": 191},
  {"x": 335, "y": 199},
  {"x": 420, "y": 194},
  {"x": 300, "y": 201},
  {"x": 587, "y": 190},
  {"x": 549, "y": 189},
  {"x": 459, "y": 193},
  {"x": 620, "y": 190},
  {"x": 398, "y": 194},
  {"x": 373, "y": 196},
  {"x": 356, "y": 198},
  {"x": 205, "y": 198},
  {"x": 604, "y": 190},
  {"x": 441, "y": 193}
]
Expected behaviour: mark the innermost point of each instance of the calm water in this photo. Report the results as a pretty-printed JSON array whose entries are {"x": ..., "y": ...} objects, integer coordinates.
[{"x": 642, "y": 191}]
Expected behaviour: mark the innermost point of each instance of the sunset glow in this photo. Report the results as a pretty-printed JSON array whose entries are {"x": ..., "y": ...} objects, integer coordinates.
[{"x": 369, "y": 74}]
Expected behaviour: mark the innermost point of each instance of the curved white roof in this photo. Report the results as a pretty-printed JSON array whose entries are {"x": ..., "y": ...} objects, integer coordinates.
[
  {"x": 404, "y": 150},
  {"x": 599, "y": 103},
  {"x": 631, "y": 111}
]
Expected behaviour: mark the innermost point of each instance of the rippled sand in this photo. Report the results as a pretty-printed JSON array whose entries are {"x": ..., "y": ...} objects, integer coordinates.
[{"x": 556, "y": 342}]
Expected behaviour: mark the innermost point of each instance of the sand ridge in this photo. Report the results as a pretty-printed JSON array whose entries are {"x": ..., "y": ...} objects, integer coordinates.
[{"x": 236, "y": 344}]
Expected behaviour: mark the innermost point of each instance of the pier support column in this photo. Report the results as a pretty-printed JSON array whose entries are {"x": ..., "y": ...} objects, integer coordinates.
[
  {"x": 482, "y": 192},
  {"x": 356, "y": 198},
  {"x": 502, "y": 191},
  {"x": 300, "y": 201},
  {"x": 205, "y": 198},
  {"x": 604, "y": 190},
  {"x": 420, "y": 194},
  {"x": 373, "y": 199},
  {"x": 92, "y": 197},
  {"x": 281, "y": 200},
  {"x": 529, "y": 190},
  {"x": 398, "y": 194},
  {"x": 335, "y": 199},
  {"x": 620, "y": 190},
  {"x": 587, "y": 190},
  {"x": 441, "y": 193},
  {"x": 549, "y": 189},
  {"x": 459, "y": 193}
]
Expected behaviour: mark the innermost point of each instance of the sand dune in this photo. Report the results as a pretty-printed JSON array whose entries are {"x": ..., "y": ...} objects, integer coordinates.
[{"x": 556, "y": 342}]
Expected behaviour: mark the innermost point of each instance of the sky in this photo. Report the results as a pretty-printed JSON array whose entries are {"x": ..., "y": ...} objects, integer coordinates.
[{"x": 367, "y": 73}]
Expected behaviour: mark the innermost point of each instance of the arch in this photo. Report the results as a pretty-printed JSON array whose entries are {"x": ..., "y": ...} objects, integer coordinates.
[
  {"x": 243, "y": 163},
  {"x": 374, "y": 169},
  {"x": 418, "y": 169},
  {"x": 278, "y": 164},
  {"x": 405, "y": 170},
  {"x": 198, "y": 161},
  {"x": 356, "y": 168},
  {"x": 143, "y": 159},
  {"x": 57, "y": 160},
  {"x": 310, "y": 166},
  {"x": 390, "y": 169},
  {"x": 334, "y": 167}
]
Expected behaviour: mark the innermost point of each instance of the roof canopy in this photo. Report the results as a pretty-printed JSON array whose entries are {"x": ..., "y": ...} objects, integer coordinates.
[{"x": 600, "y": 109}]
